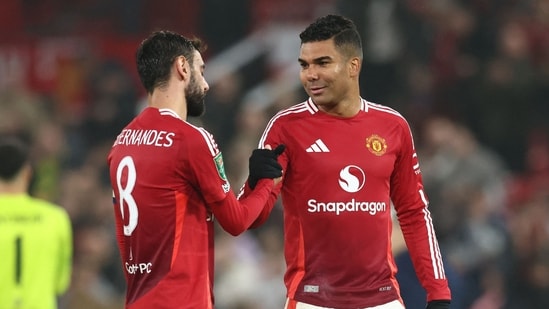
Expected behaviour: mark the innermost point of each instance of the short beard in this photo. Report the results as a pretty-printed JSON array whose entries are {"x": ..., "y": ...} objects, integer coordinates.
[{"x": 195, "y": 99}]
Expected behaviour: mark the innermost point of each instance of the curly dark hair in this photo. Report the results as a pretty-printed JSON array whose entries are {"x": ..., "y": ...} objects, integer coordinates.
[
  {"x": 157, "y": 53},
  {"x": 341, "y": 29}
]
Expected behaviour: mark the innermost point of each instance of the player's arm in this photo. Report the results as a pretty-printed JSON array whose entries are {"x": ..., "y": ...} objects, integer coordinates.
[
  {"x": 236, "y": 216},
  {"x": 269, "y": 138},
  {"x": 411, "y": 204},
  {"x": 65, "y": 253},
  {"x": 245, "y": 192},
  {"x": 263, "y": 166},
  {"x": 266, "y": 211},
  {"x": 207, "y": 165}
]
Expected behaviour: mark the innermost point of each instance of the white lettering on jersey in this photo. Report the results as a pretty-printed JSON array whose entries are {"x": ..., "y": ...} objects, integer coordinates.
[
  {"x": 310, "y": 288},
  {"x": 139, "y": 268},
  {"x": 145, "y": 137},
  {"x": 352, "y": 206}
]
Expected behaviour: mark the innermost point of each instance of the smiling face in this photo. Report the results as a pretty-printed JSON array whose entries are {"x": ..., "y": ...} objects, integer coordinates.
[{"x": 329, "y": 77}]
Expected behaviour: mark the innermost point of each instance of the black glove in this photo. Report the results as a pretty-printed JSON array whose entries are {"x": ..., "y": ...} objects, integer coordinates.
[
  {"x": 438, "y": 304},
  {"x": 263, "y": 164}
]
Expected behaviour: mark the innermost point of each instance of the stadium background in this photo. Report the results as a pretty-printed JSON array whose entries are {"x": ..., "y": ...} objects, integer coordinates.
[{"x": 471, "y": 76}]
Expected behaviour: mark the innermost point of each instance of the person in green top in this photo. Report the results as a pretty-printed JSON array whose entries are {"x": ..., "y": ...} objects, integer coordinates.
[{"x": 35, "y": 237}]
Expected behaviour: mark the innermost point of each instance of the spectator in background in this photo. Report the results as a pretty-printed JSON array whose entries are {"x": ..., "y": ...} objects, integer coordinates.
[
  {"x": 94, "y": 249},
  {"x": 411, "y": 290},
  {"x": 380, "y": 23},
  {"x": 223, "y": 23},
  {"x": 35, "y": 236},
  {"x": 508, "y": 87},
  {"x": 468, "y": 185},
  {"x": 527, "y": 285},
  {"x": 223, "y": 106}
]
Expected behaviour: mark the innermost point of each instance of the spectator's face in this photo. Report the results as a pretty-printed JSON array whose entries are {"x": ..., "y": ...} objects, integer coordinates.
[
  {"x": 197, "y": 88},
  {"x": 324, "y": 72}
]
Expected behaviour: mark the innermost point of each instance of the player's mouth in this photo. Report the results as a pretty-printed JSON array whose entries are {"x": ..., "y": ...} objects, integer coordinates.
[{"x": 316, "y": 90}]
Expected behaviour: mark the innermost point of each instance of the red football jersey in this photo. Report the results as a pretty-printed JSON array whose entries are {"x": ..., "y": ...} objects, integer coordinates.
[
  {"x": 341, "y": 177},
  {"x": 168, "y": 185}
]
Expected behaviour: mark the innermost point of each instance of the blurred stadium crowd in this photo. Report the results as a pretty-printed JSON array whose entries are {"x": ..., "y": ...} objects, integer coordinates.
[{"x": 471, "y": 76}]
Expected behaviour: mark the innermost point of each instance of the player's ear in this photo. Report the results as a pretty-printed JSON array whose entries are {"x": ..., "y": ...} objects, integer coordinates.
[
  {"x": 182, "y": 67},
  {"x": 26, "y": 173},
  {"x": 354, "y": 66}
]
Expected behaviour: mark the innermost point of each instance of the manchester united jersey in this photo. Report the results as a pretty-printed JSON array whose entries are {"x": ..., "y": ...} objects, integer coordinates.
[
  {"x": 341, "y": 176},
  {"x": 168, "y": 185}
]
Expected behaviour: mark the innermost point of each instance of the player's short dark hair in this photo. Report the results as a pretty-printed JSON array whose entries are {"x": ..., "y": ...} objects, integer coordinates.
[
  {"x": 14, "y": 154},
  {"x": 156, "y": 54},
  {"x": 343, "y": 30}
]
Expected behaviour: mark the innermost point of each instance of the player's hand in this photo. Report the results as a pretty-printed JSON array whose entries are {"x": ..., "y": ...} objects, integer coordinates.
[
  {"x": 438, "y": 304},
  {"x": 278, "y": 150},
  {"x": 263, "y": 164}
]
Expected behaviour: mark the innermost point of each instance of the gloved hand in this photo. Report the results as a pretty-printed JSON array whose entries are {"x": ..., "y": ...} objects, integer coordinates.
[
  {"x": 263, "y": 164},
  {"x": 438, "y": 304}
]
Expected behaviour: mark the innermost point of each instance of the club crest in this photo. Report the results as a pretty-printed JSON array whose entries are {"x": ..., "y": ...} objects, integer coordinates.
[{"x": 376, "y": 144}]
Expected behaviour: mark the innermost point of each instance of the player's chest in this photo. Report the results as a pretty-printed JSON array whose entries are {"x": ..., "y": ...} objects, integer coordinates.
[{"x": 365, "y": 148}]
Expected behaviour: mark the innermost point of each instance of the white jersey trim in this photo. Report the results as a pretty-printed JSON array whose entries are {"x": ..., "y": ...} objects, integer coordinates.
[
  {"x": 298, "y": 108},
  {"x": 436, "y": 257},
  {"x": 208, "y": 138},
  {"x": 311, "y": 107},
  {"x": 168, "y": 112},
  {"x": 383, "y": 108},
  {"x": 395, "y": 304},
  {"x": 314, "y": 109}
]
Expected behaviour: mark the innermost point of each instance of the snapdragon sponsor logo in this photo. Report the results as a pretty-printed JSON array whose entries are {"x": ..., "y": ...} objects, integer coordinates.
[
  {"x": 351, "y": 179},
  {"x": 352, "y": 206}
]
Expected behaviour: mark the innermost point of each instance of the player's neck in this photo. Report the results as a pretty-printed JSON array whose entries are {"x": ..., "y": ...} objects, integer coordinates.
[
  {"x": 346, "y": 108},
  {"x": 18, "y": 184},
  {"x": 15, "y": 187},
  {"x": 173, "y": 100}
]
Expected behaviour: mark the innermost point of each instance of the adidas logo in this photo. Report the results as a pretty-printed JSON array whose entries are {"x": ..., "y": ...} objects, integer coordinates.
[{"x": 318, "y": 146}]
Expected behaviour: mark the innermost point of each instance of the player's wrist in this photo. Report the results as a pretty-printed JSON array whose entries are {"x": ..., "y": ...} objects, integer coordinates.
[
  {"x": 263, "y": 164},
  {"x": 262, "y": 182}
]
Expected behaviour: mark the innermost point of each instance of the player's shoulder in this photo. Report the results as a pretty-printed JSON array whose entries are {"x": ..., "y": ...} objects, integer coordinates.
[
  {"x": 200, "y": 134},
  {"x": 180, "y": 125},
  {"x": 49, "y": 206},
  {"x": 384, "y": 111},
  {"x": 152, "y": 117},
  {"x": 46, "y": 208},
  {"x": 381, "y": 109},
  {"x": 161, "y": 123},
  {"x": 297, "y": 111}
]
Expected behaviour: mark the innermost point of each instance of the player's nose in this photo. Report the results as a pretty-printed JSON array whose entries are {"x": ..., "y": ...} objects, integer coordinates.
[{"x": 206, "y": 86}]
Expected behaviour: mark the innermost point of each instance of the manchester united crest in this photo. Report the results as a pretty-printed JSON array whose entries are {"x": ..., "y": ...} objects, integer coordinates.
[{"x": 376, "y": 144}]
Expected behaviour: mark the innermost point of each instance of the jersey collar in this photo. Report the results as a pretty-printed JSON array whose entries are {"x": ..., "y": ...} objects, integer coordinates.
[
  {"x": 168, "y": 112},
  {"x": 313, "y": 109}
]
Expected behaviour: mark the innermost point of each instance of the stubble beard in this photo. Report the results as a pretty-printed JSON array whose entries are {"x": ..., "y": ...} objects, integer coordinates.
[{"x": 195, "y": 99}]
